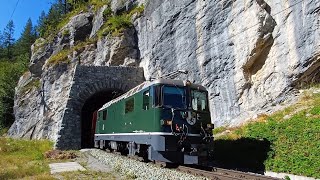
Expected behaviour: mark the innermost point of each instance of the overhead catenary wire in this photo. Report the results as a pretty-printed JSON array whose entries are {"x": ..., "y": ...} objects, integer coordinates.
[{"x": 14, "y": 10}]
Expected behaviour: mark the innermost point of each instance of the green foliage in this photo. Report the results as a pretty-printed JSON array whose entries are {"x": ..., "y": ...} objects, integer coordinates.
[
  {"x": 39, "y": 43},
  {"x": 287, "y": 178},
  {"x": 66, "y": 32},
  {"x": 27, "y": 38},
  {"x": 219, "y": 130},
  {"x": 60, "y": 57},
  {"x": 14, "y": 57},
  {"x": 80, "y": 46},
  {"x": 23, "y": 158},
  {"x": 67, "y": 17},
  {"x": 99, "y": 3},
  {"x": 137, "y": 10},
  {"x": 115, "y": 25},
  {"x": 61, "y": 12},
  {"x": 88, "y": 174},
  {"x": 34, "y": 83},
  {"x": 10, "y": 73},
  {"x": 3, "y": 130},
  {"x": 107, "y": 12},
  {"x": 8, "y": 39},
  {"x": 295, "y": 142}
]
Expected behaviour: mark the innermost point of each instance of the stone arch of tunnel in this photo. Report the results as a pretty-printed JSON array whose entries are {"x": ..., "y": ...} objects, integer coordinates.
[
  {"x": 88, "y": 116},
  {"x": 92, "y": 87}
]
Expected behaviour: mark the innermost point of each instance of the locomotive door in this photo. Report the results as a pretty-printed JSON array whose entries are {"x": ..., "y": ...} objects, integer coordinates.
[{"x": 93, "y": 125}]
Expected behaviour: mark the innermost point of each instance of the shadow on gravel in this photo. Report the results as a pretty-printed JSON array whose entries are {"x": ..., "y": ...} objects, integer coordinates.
[{"x": 245, "y": 154}]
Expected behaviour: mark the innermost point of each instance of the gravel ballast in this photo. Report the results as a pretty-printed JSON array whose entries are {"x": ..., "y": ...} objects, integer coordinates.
[{"x": 138, "y": 170}]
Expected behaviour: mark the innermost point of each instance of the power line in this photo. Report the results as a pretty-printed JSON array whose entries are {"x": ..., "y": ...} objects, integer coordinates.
[
  {"x": 256, "y": 24},
  {"x": 14, "y": 10}
]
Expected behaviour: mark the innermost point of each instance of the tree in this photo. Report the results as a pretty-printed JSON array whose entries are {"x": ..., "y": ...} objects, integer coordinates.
[
  {"x": 28, "y": 36},
  {"x": 41, "y": 27},
  {"x": 9, "y": 76},
  {"x": 2, "y": 50},
  {"x": 8, "y": 39}
]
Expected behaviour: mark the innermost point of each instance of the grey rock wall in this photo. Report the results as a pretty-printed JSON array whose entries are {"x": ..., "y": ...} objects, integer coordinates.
[{"x": 249, "y": 54}]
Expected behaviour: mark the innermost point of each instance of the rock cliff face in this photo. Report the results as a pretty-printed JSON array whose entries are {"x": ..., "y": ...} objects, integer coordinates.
[{"x": 251, "y": 55}]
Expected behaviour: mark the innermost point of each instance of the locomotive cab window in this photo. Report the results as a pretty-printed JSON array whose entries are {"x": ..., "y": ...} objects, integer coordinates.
[
  {"x": 174, "y": 97},
  {"x": 104, "y": 115},
  {"x": 129, "y": 105},
  {"x": 199, "y": 100},
  {"x": 146, "y": 100}
]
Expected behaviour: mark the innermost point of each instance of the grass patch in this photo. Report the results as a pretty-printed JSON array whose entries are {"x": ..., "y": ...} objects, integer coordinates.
[
  {"x": 80, "y": 46},
  {"x": 219, "y": 130},
  {"x": 107, "y": 12},
  {"x": 23, "y": 159},
  {"x": 294, "y": 141},
  {"x": 39, "y": 43},
  {"x": 97, "y": 4},
  {"x": 3, "y": 130},
  {"x": 116, "y": 24},
  {"x": 64, "y": 21},
  {"x": 34, "y": 83},
  {"x": 88, "y": 175},
  {"x": 60, "y": 57}
]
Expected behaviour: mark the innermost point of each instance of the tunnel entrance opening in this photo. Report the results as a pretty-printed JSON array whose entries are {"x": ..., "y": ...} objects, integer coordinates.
[{"x": 92, "y": 104}]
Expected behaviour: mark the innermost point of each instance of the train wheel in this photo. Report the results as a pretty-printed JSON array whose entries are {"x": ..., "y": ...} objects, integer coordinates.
[
  {"x": 144, "y": 153},
  {"x": 96, "y": 144},
  {"x": 101, "y": 145}
]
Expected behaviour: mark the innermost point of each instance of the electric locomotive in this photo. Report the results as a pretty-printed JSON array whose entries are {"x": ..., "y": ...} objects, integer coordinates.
[{"x": 164, "y": 120}]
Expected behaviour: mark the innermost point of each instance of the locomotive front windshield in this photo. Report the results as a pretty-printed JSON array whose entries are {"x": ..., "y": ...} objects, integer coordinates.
[
  {"x": 174, "y": 97},
  {"x": 199, "y": 101}
]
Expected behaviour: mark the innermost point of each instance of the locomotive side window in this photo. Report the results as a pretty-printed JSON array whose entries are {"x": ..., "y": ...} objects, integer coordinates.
[
  {"x": 199, "y": 100},
  {"x": 104, "y": 115},
  {"x": 146, "y": 97},
  {"x": 129, "y": 105}
]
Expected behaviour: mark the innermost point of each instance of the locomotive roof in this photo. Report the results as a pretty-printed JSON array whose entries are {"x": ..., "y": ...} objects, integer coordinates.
[{"x": 150, "y": 83}]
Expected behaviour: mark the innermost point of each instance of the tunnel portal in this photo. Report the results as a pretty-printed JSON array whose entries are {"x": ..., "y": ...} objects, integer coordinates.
[
  {"x": 94, "y": 103},
  {"x": 92, "y": 87}
]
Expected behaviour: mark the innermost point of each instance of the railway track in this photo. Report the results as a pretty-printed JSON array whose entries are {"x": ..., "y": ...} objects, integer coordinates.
[
  {"x": 223, "y": 174},
  {"x": 214, "y": 173}
]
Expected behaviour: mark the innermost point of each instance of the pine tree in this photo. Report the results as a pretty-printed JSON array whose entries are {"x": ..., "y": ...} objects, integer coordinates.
[
  {"x": 9, "y": 39},
  {"x": 28, "y": 36},
  {"x": 2, "y": 50},
  {"x": 41, "y": 27}
]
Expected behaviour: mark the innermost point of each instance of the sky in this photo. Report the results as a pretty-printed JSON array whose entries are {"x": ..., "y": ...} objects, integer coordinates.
[{"x": 25, "y": 9}]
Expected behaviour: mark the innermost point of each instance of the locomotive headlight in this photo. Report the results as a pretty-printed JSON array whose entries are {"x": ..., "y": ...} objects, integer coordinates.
[
  {"x": 210, "y": 126},
  {"x": 167, "y": 122},
  {"x": 187, "y": 83}
]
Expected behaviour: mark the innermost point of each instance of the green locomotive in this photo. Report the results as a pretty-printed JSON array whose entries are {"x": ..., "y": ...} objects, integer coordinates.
[{"x": 163, "y": 120}]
